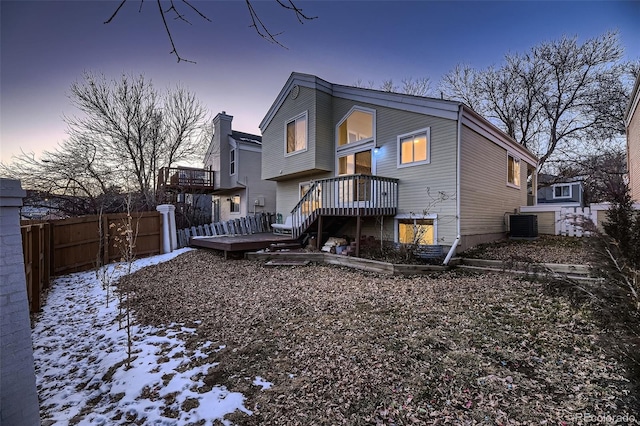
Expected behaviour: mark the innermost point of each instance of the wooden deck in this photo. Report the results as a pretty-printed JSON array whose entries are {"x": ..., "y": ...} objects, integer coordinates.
[{"x": 240, "y": 243}]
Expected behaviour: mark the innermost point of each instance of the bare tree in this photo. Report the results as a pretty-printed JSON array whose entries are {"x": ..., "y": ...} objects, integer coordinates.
[
  {"x": 559, "y": 95},
  {"x": 418, "y": 87},
  {"x": 179, "y": 10},
  {"x": 602, "y": 174},
  {"x": 126, "y": 131}
]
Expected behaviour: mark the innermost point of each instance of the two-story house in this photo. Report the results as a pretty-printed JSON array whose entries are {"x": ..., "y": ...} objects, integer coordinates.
[
  {"x": 409, "y": 169},
  {"x": 235, "y": 158}
]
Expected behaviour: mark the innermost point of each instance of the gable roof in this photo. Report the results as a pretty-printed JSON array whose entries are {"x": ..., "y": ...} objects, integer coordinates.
[{"x": 442, "y": 108}]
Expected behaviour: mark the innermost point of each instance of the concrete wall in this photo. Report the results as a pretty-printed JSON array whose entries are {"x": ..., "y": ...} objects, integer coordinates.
[{"x": 18, "y": 394}]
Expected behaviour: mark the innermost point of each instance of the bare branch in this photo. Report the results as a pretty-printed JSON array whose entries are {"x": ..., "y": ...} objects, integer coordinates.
[
  {"x": 166, "y": 26},
  {"x": 260, "y": 28},
  {"x": 299, "y": 15},
  {"x": 116, "y": 12}
]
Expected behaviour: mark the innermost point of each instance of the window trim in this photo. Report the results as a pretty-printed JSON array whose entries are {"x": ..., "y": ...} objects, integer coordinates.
[
  {"x": 400, "y": 164},
  {"x": 305, "y": 114},
  {"x": 233, "y": 162},
  {"x": 560, "y": 185},
  {"x": 231, "y": 203},
  {"x": 519, "y": 160},
  {"x": 397, "y": 218},
  {"x": 363, "y": 142}
]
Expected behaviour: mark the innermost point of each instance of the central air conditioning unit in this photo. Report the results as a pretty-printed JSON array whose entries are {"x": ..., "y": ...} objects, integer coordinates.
[{"x": 523, "y": 226}]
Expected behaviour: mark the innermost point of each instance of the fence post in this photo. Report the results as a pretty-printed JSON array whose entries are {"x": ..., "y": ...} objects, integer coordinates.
[{"x": 18, "y": 394}]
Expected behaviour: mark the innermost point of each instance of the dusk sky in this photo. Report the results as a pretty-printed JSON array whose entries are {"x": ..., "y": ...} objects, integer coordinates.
[{"x": 46, "y": 45}]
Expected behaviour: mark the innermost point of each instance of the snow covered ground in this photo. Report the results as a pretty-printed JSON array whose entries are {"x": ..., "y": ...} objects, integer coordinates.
[{"x": 80, "y": 346}]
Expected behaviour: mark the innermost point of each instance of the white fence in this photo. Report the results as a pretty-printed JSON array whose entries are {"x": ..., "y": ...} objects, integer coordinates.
[{"x": 569, "y": 220}]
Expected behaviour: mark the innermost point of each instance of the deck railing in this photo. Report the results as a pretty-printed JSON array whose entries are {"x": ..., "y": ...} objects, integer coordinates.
[
  {"x": 185, "y": 177},
  {"x": 350, "y": 195}
]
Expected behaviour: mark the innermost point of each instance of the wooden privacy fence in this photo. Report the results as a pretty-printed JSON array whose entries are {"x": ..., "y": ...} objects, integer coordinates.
[
  {"x": 75, "y": 245},
  {"x": 36, "y": 241}
]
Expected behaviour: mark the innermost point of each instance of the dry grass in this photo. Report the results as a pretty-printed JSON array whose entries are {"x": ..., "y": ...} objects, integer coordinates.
[
  {"x": 347, "y": 347},
  {"x": 545, "y": 249}
]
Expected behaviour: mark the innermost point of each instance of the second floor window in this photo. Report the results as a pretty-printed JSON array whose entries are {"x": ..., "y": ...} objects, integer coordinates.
[
  {"x": 513, "y": 171},
  {"x": 296, "y": 134},
  {"x": 562, "y": 191},
  {"x": 413, "y": 148},
  {"x": 232, "y": 162}
]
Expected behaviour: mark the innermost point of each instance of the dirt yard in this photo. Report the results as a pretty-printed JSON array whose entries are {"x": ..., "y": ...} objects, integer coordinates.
[{"x": 346, "y": 347}]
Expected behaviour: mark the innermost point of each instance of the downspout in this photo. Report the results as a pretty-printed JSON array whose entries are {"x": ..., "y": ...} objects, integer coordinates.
[{"x": 452, "y": 250}]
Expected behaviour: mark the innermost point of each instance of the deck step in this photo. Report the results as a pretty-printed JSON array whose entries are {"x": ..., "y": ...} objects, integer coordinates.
[
  {"x": 284, "y": 262},
  {"x": 284, "y": 246}
]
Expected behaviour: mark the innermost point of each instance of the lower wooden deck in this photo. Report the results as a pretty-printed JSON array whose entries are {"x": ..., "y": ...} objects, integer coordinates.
[{"x": 240, "y": 243}]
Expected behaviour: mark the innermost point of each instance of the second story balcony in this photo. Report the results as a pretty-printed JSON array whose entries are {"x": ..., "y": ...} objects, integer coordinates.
[{"x": 186, "y": 179}]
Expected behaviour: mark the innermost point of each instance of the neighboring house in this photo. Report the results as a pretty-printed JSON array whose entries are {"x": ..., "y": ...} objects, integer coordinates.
[
  {"x": 235, "y": 158},
  {"x": 556, "y": 190},
  {"x": 354, "y": 161},
  {"x": 632, "y": 124}
]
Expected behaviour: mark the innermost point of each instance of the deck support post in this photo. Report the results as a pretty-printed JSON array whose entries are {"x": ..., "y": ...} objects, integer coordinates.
[
  {"x": 358, "y": 232},
  {"x": 319, "y": 236}
]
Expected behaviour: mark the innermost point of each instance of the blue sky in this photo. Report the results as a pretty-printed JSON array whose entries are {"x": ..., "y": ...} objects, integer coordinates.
[{"x": 46, "y": 45}]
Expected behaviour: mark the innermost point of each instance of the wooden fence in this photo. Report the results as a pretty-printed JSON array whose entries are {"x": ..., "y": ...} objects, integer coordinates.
[
  {"x": 36, "y": 240},
  {"x": 74, "y": 245}
]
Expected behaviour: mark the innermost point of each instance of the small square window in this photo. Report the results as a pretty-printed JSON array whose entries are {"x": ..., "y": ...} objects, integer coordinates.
[
  {"x": 562, "y": 191},
  {"x": 414, "y": 148}
]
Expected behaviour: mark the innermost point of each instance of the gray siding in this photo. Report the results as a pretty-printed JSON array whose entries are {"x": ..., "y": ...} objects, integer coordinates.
[
  {"x": 316, "y": 156},
  {"x": 324, "y": 132},
  {"x": 249, "y": 172},
  {"x": 419, "y": 185},
  {"x": 485, "y": 197},
  {"x": 288, "y": 192}
]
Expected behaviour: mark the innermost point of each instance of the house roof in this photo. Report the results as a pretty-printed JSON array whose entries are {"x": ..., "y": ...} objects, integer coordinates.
[
  {"x": 246, "y": 137},
  {"x": 548, "y": 179},
  {"x": 442, "y": 108},
  {"x": 633, "y": 102}
]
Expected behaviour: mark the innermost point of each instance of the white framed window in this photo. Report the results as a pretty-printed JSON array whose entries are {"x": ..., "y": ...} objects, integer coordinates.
[
  {"x": 232, "y": 162},
  {"x": 562, "y": 190},
  {"x": 295, "y": 134},
  {"x": 234, "y": 204},
  {"x": 357, "y": 127},
  {"x": 513, "y": 171},
  {"x": 414, "y": 148}
]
